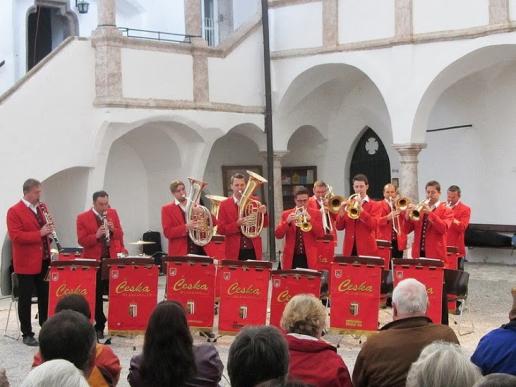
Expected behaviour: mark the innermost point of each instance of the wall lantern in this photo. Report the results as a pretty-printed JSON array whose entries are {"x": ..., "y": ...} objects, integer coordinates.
[{"x": 82, "y": 6}]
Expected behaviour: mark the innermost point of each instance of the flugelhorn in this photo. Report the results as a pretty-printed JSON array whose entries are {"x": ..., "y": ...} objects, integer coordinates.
[
  {"x": 415, "y": 214},
  {"x": 200, "y": 216},
  {"x": 248, "y": 208},
  {"x": 354, "y": 208},
  {"x": 301, "y": 219},
  {"x": 49, "y": 220}
]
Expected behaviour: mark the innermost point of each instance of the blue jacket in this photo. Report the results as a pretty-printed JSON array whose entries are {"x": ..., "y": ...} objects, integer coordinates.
[{"x": 496, "y": 351}]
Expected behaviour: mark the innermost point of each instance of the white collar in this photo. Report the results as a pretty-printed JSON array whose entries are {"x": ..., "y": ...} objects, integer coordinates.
[
  {"x": 453, "y": 205},
  {"x": 31, "y": 206},
  {"x": 95, "y": 212},
  {"x": 303, "y": 337},
  {"x": 236, "y": 200}
]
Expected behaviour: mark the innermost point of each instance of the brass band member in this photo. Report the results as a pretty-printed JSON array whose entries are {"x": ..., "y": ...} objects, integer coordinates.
[
  {"x": 390, "y": 223},
  {"x": 300, "y": 226},
  {"x": 100, "y": 234},
  {"x": 460, "y": 221},
  {"x": 238, "y": 246},
  {"x": 30, "y": 234},
  {"x": 360, "y": 236},
  {"x": 175, "y": 226}
]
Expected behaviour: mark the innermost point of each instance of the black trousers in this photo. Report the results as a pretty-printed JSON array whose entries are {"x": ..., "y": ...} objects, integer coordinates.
[
  {"x": 299, "y": 261},
  {"x": 101, "y": 286},
  {"x": 244, "y": 255},
  {"x": 27, "y": 284},
  {"x": 395, "y": 253}
]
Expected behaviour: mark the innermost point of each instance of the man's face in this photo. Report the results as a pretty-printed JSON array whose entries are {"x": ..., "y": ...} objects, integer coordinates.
[
  {"x": 389, "y": 192},
  {"x": 101, "y": 204},
  {"x": 33, "y": 195},
  {"x": 320, "y": 192},
  {"x": 453, "y": 197},
  {"x": 238, "y": 186},
  {"x": 360, "y": 187},
  {"x": 301, "y": 200},
  {"x": 180, "y": 193},
  {"x": 432, "y": 194}
]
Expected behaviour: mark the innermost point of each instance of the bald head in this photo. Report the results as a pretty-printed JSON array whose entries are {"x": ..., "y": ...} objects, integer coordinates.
[
  {"x": 409, "y": 299},
  {"x": 389, "y": 191}
]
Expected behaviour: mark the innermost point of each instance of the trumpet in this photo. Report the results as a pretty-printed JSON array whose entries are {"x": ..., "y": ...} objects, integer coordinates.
[
  {"x": 301, "y": 219},
  {"x": 107, "y": 233},
  {"x": 248, "y": 208},
  {"x": 48, "y": 219},
  {"x": 202, "y": 233},
  {"x": 354, "y": 208},
  {"x": 415, "y": 214}
]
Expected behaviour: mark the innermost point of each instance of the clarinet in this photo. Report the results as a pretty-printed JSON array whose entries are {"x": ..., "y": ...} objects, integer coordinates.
[
  {"x": 44, "y": 210},
  {"x": 107, "y": 235}
]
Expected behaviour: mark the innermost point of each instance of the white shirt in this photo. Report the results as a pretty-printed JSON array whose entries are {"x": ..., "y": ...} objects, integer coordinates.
[
  {"x": 31, "y": 206},
  {"x": 178, "y": 203}
]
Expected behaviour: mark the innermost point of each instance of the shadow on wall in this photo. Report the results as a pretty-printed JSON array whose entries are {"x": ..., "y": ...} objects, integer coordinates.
[{"x": 5, "y": 267}]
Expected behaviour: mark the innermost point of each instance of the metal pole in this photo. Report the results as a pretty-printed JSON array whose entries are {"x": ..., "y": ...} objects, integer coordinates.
[{"x": 268, "y": 128}]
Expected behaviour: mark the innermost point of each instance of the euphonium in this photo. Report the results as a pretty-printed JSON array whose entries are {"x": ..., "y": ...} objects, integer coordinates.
[
  {"x": 355, "y": 207},
  {"x": 202, "y": 233},
  {"x": 301, "y": 219},
  {"x": 215, "y": 206},
  {"x": 415, "y": 214},
  {"x": 248, "y": 208},
  {"x": 334, "y": 202}
]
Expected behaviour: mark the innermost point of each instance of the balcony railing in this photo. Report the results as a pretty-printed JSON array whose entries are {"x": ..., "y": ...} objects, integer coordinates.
[{"x": 156, "y": 35}]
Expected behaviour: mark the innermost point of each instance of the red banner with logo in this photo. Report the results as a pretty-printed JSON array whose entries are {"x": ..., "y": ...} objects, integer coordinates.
[
  {"x": 325, "y": 253},
  {"x": 133, "y": 295},
  {"x": 191, "y": 281},
  {"x": 244, "y": 288},
  {"x": 355, "y": 294},
  {"x": 71, "y": 279},
  {"x": 384, "y": 252},
  {"x": 430, "y": 274},
  {"x": 288, "y": 283},
  {"x": 217, "y": 247}
]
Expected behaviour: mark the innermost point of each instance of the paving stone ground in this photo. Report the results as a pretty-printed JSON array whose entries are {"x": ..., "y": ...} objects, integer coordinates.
[{"x": 489, "y": 304}]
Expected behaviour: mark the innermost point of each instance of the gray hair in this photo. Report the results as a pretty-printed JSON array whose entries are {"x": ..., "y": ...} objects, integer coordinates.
[
  {"x": 442, "y": 364},
  {"x": 58, "y": 372},
  {"x": 497, "y": 380},
  {"x": 410, "y": 297}
]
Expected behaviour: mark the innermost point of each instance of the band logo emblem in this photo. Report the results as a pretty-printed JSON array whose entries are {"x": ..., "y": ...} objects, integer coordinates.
[
  {"x": 234, "y": 288},
  {"x": 243, "y": 312},
  {"x": 124, "y": 287},
  {"x": 63, "y": 290},
  {"x": 284, "y": 296},
  {"x": 227, "y": 275},
  {"x": 114, "y": 274},
  {"x": 183, "y": 285},
  {"x": 276, "y": 283},
  {"x": 353, "y": 308},
  {"x": 399, "y": 275},
  {"x": 348, "y": 286},
  {"x": 338, "y": 273},
  {"x": 133, "y": 310},
  {"x": 55, "y": 276},
  {"x": 173, "y": 272}
]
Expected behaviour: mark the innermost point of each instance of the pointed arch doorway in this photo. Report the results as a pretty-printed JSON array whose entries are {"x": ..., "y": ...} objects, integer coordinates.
[{"x": 370, "y": 158}]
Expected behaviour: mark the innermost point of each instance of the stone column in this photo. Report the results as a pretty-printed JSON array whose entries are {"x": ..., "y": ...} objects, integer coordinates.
[
  {"x": 403, "y": 19},
  {"x": 408, "y": 169},
  {"x": 201, "y": 82},
  {"x": 106, "y": 40},
  {"x": 193, "y": 16},
  {"x": 499, "y": 12},
  {"x": 330, "y": 23}
]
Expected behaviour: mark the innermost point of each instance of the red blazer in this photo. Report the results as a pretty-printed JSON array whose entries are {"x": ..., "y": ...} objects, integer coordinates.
[
  {"x": 174, "y": 229},
  {"x": 227, "y": 225},
  {"x": 87, "y": 228},
  {"x": 438, "y": 224},
  {"x": 23, "y": 228},
  {"x": 364, "y": 229},
  {"x": 384, "y": 230},
  {"x": 462, "y": 213},
  {"x": 288, "y": 231}
]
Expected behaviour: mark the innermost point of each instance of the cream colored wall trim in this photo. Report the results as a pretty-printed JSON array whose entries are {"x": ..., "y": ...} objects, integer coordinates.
[
  {"x": 330, "y": 22},
  {"x": 403, "y": 19},
  {"x": 429, "y": 37},
  {"x": 499, "y": 11},
  {"x": 286, "y": 3},
  {"x": 140, "y": 103},
  {"x": 38, "y": 67}
]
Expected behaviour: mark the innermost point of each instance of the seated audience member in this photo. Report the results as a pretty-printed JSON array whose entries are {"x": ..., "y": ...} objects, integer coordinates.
[
  {"x": 54, "y": 373},
  {"x": 258, "y": 357},
  {"x": 106, "y": 371},
  {"x": 497, "y": 380},
  {"x": 312, "y": 360},
  {"x": 441, "y": 365},
  {"x": 69, "y": 335},
  {"x": 496, "y": 351},
  {"x": 385, "y": 358},
  {"x": 169, "y": 357}
]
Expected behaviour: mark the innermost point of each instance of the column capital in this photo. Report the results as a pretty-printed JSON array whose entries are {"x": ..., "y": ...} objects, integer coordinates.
[
  {"x": 277, "y": 155},
  {"x": 410, "y": 150}
]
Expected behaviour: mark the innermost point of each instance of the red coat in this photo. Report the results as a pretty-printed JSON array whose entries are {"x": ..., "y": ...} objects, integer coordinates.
[
  {"x": 384, "y": 230},
  {"x": 174, "y": 229},
  {"x": 462, "y": 213},
  {"x": 227, "y": 225},
  {"x": 288, "y": 231},
  {"x": 23, "y": 228},
  {"x": 438, "y": 223},
  {"x": 87, "y": 227},
  {"x": 317, "y": 363},
  {"x": 363, "y": 229}
]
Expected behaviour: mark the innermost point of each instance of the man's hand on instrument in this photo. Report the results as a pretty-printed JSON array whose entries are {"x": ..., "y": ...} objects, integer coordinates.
[
  {"x": 111, "y": 226},
  {"x": 100, "y": 232},
  {"x": 45, "y": 230},
  {"x": 291, "y": 217},
  {"x": 191, "y": 225},
  {"x": 262, "y": 208}
]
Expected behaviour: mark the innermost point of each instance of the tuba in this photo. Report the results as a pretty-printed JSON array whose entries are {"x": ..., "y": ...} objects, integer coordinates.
[
  {"x": 202, "y": 233},
  {"x": 415, "y": 214},
  {"x": 354, "y": 207},
  {"x": 248, "y": 207},
  {"x": 301, "y": 219},
  {"x": 215, "y": 201}
]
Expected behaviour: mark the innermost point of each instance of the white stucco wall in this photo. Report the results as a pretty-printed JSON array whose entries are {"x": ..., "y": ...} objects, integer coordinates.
[
  {"x": 297, "y": 26},
  {"x": 480, "y": 159},
  {"x": 229, "y": 77},
  {"x": 171, "y": 76},
  {"x": 243, "y": 10},
  {"x": 365, "y": 20},
  {"x": 7, "y": 53},
  {"x": 512, "y": 9},
  {"x": 441, "y": 15}
]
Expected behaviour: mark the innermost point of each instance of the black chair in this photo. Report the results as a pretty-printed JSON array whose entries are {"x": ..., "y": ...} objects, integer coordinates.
[
  {"x": 15, "y": 290},
  {"x": 456, "y": 283}
]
